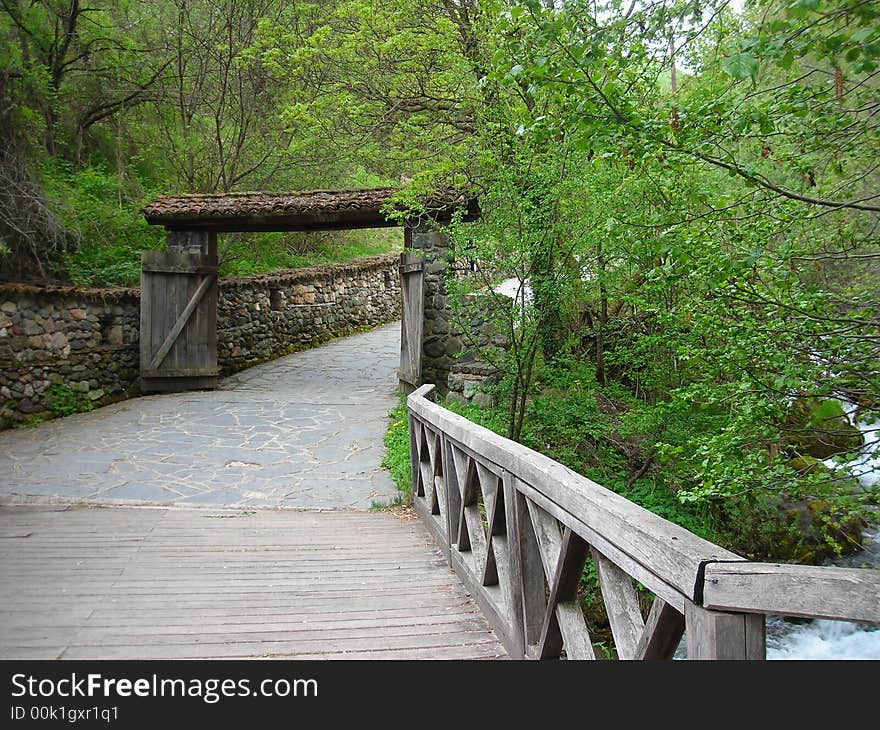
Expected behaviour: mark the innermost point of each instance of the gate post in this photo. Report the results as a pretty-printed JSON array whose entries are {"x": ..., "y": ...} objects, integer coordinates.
[
  {"x": 439, "y": 343},
  {"x": 200, "y": 242}
]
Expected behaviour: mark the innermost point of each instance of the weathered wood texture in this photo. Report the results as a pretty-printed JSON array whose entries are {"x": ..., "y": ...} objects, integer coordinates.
[
  {"x": 851, "y": 594},
  {"x": 612, "y": 524},
  {"x": 720, "y": 635},
  {"x": 517, "y": 528},
  {"x": 151, "y": 583},
  {"x": 411, "y": 286},
  {"x": 178, "y": 334}
]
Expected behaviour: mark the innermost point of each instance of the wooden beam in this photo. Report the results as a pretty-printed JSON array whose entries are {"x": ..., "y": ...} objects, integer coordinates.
[
  {"x": 663, "y": 631},
  {"x": 848, "y": 594},
  {"x": 621, "y": 604}
]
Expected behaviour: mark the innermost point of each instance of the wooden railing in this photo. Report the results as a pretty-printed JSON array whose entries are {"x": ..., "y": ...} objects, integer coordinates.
[{"x": 518, "y": 527}]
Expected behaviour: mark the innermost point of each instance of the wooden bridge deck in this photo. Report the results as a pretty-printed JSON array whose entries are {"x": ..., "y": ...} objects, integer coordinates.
[{"x": 166, "y": 583}]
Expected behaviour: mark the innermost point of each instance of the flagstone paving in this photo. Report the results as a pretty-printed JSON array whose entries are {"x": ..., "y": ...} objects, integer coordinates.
[{"x": 304, "y": 431}]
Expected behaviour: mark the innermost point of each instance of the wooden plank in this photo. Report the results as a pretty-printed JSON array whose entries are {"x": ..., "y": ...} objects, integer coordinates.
[
  {"x": 146, "y": 314},
  {"x": 147, "y": 635},
  {"x": 721, "y": 635},
  {"x": 466, "y": 498},
  {"x": 412, "y": 308},
  {"x": 454, "y": 486},
  {"x": 281, "y": 648},
  {"x": 621, "y": 605},
  {"x": 415, "y": 432},
  {"x": 549, "y": 538},
  {"x": 195, "y": 372},
  {"x": 564, "y": 625},
  {"x": 178, "y": 267},
  {"x": 188, "y": 286},
  {"x": 486, "y": 598},
  {"x": 383, "y": 590},
  {"x": 663, "y": 631},
  {"x": 514, "y": 583},
  {"x": 210, "y": 310},
  {"x": 159, "y": 315},
  {"x": 479, "y": 652},
  {"x": 848, "y": 594},
  {"x": 670, "y": 552}
]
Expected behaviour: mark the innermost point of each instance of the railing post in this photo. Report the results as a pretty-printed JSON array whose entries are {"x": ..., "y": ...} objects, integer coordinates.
[{"x": 721, "y": 635}]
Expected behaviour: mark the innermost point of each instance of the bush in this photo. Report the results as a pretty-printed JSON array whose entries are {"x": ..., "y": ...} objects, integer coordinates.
[{"x": 63, "y": 400}]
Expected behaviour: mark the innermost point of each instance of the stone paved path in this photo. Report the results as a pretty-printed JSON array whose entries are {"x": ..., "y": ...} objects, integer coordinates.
[{"x": 304, "y": 431}]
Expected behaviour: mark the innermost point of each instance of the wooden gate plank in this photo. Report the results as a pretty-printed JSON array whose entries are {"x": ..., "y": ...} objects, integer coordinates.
[
  {"x": 181, "y": 321},
  {"x": 146, "y": 314},
  {"x": 179, "y": 317}
]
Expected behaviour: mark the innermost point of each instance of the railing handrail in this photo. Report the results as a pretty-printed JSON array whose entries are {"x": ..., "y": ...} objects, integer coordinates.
[
  {"x": 673, "y": 554},
  {"x": 807, "y": 591},
  {"x": 521, "y": 553}
]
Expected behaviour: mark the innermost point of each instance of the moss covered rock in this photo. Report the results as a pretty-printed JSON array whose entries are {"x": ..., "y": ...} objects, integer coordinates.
[
  {"x": 818, "y": 530},
  {"x": 820, "y": 429}
]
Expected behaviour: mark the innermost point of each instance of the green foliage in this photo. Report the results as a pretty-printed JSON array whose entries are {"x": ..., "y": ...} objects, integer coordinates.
[
  {"x": 63, "y": 400},
  {"x": 258, "y": 253},
  {"x": 396, "y": 458},
  {"x": 102, "y": 207},
  {"x": 702, "y": 256}
]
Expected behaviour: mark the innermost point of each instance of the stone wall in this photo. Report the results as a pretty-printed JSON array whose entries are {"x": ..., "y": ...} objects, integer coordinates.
[
  {"x": 60, "y": 345},
  {"x": 439, "y": 344},
  {"x": 262, "y": 317},
  {"x": 64, "y": 345},
  {"x": 479, "y": 324}
]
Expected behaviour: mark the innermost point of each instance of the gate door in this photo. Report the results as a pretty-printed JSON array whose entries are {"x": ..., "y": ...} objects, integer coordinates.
[
  {"x": 411, "y": 284},
  {"x": 178, "y": 321}
]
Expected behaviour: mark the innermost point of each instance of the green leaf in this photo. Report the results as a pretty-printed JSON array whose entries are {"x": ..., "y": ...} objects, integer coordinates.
[{"x": 741, "y": 66}]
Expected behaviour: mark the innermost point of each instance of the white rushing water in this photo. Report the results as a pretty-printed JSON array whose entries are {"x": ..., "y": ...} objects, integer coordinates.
[
  {"x": 822, "y": 639},
  {"x": 866, "y": 466}
]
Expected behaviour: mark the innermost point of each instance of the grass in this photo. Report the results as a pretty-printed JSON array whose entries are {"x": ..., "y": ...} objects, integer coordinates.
[{"x": 396, "y": 458}]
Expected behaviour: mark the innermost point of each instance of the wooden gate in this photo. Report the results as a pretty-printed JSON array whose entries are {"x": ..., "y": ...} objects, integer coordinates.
[
  {"x": 411, "y": 286},
  {"x": 178, "y": 338}
]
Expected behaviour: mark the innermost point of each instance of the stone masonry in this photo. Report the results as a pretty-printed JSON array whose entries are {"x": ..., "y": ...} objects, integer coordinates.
[
  {"x": 85, "y": 341},
  {"x": 262, "y": 317},
  {"x": 439, "y": 344}
]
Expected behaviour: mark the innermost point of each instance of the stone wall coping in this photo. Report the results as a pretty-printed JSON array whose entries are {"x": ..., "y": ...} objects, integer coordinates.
[
  {"x": 281, "y": 277},
  {"x": 292, "y": 276},
  {"x": 88, "y": 293}
]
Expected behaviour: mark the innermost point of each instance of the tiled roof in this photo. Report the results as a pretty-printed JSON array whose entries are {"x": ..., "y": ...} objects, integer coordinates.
[{"x": 309, "y": 210}]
